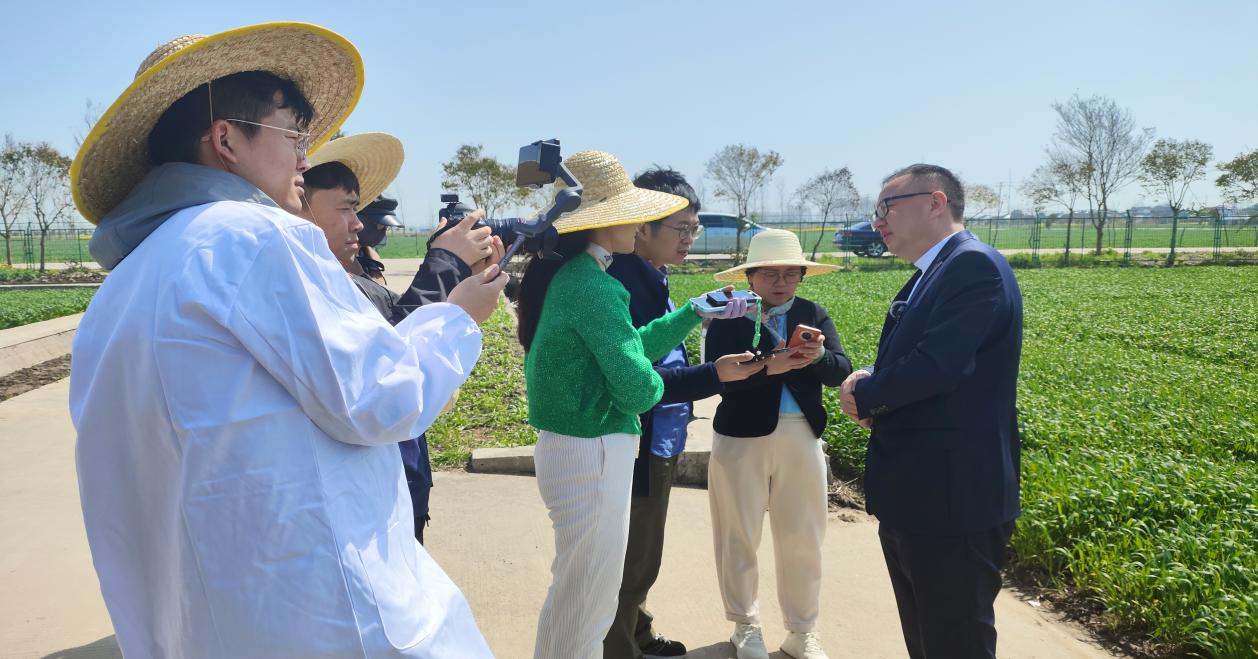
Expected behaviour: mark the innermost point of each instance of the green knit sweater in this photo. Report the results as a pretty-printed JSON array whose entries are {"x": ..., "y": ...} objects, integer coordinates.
[{"x": 589, "y": 371}]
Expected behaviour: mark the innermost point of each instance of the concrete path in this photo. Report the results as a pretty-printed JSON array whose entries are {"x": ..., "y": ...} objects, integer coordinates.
[
  {"x": 492, "y": 535},
  {"x": 51, "y": 596}
]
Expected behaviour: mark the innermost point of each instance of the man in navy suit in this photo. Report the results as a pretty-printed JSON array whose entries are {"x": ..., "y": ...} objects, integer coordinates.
[{"x": 943, "y": 461}]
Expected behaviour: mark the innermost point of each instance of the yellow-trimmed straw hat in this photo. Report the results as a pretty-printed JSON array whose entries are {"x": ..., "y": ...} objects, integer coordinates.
[
  {"x": 773, "y": 248},
  {"x": 115, "y": 157},
  {"x": 375, "y": 159},
  {"x": 609, "y": 198}
]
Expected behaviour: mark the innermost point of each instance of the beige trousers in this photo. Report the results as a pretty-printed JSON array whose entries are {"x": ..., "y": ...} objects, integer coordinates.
[{"x": 785, "y": 474}]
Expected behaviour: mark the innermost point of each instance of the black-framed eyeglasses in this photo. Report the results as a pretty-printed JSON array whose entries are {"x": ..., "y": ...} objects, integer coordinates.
[
  {"x": 691, "y": 230},
  {"x": 880, "y": 211}
]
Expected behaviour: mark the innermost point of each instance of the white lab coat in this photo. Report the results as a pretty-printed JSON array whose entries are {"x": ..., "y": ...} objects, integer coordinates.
[{"x": 238, "y": 404}]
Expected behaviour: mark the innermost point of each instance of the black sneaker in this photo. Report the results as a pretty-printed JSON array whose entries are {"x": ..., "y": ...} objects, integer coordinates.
[{"x": 662, "y": 647}]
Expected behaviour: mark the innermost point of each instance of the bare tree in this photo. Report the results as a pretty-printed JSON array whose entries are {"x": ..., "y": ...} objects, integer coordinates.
[
  {"x": 1058, "y": 182},
  {"x": 47, "y": 181},
  {"x": 829, "y": 192},
  {"x": 12, "y": 190},
  {"x": 981, "y": 199},
  {"x": 1239, "y": 180},
  {"x": 1168, "y": 169},
  {"x": 739, "y": 172},
  {"x": 1102, "y": 137},
  {"x": 490, "y": 182},
  {"x": 91, "y": 114}
]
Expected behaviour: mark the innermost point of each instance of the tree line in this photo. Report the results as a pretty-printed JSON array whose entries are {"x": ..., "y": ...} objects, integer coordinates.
[{"x": 34, "y": 189}]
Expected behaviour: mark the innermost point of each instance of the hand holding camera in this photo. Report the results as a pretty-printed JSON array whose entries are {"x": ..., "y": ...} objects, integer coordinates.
[{"x": 470, "y": 241}]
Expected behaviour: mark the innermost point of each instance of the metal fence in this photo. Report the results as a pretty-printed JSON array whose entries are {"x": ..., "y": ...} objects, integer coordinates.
[
  {"x": 1043, "y": 240},
  {"x": 1028, "y": 242},
  {"x": 23, "y": 247}
]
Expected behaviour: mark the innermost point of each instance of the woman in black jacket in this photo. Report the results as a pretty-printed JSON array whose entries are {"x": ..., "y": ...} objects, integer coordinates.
[{"x": 766, "y": 450}]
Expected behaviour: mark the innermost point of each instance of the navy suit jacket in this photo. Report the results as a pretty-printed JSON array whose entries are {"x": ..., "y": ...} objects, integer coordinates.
[
  {"x": 648, "y": 300},
  {"x": 944, "y": 456}
]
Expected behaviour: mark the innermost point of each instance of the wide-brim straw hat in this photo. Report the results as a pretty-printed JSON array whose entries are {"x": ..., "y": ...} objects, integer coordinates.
[
  {"x": 773, "y": 248},
  {"x": 609, "y": 197},
  {"x": 375, "y": 159},
  {"x": 115, "y": 156}
]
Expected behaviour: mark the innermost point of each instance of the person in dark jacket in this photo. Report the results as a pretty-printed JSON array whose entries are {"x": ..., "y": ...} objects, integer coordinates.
[
  {"x": 644, "y": 273},
  {"x": 943, "y": 463},
  {"x": 377, "y": 217},
  {"x": 766, "y": 449},
  {"x": 339, "y": 172}
]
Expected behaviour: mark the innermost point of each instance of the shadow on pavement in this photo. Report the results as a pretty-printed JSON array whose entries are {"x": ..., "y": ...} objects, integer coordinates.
[
  {"x": 106, "y": 648},
  {"x": 724, "y": 650}
]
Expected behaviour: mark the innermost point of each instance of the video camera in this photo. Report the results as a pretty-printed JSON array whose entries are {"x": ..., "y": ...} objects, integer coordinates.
[{"x": 540, "y": 163}]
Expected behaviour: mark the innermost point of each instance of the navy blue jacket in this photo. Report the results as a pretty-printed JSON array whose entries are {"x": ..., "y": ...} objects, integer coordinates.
[
  {"x": 648, "y": 300},
  {"x": 944, "y": 456},
  {"x": 750, "y": 408}
]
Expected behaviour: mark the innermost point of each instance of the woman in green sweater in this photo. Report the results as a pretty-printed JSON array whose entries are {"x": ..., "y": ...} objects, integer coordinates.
[{"x": 589, "y": 374}]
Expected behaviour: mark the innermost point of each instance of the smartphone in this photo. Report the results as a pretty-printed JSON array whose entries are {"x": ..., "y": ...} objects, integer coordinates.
[
  {"x": 715, "y": 300},
  {"x": 765, "y": 355},
  {"x": 802, "y": 334}
]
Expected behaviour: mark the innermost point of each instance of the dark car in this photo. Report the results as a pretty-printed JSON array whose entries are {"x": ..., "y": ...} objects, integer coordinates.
[{"x": 860, "y": 239}]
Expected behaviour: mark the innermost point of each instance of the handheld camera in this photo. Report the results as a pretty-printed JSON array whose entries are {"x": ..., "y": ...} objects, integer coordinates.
[{"x": 540, "y": 164}]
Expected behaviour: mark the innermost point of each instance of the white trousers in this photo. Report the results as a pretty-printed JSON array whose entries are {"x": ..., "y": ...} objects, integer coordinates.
[
  {"x": 784, "y": 473},
  {"x": 586, "y": 485}
]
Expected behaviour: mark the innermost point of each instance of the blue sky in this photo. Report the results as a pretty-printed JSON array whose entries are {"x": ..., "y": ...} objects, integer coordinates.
[{"x": 872, "y": 86}]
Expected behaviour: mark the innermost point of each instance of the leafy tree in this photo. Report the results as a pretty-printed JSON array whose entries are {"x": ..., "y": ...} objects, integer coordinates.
[
  {"x": 1239, "y": 180},
  {"x": 489, "y": 182},
  {"x": 1168, "y": 169}
]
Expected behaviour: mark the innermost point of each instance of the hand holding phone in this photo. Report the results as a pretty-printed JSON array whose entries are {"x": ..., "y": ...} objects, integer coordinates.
[
  {"x": 763, "y": 356},
  {"x": 804, "y": 334}
]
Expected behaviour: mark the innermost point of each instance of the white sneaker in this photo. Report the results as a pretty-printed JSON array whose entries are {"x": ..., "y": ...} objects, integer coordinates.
[
  {"x": 748, "y": 641},
  {"x": 803, "y": 645}
]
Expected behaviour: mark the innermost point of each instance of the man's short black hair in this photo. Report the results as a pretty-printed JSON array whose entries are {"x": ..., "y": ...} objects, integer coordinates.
[
  {"x": 939, "y": 178},
  {"x": 248, "y": 96},
  {"x": 330, "y": 176},
  {"x": 663, "y": 179}
]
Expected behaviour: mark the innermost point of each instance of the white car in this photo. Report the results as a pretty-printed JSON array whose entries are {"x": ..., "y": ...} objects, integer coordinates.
[{"x": 720, "y": 231}]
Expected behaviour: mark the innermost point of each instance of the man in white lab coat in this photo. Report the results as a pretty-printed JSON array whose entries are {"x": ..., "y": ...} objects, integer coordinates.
[{"x": 240, "y": 480}]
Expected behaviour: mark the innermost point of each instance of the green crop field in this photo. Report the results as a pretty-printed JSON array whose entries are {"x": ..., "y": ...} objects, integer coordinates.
[
  {"x": 1007, "y": 236},
  {"x": 1138, "y": 402},
  {"x": 23, "y": 306}
]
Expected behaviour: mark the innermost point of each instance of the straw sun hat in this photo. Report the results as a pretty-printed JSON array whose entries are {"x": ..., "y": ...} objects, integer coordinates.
[
  {"x": 114, "y": 157},
  {"x": 375, "y": 159},
  {"x": 773, "y": 248},
  {"x": 609, "y": 198}
]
